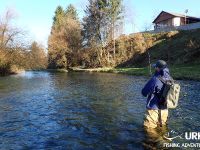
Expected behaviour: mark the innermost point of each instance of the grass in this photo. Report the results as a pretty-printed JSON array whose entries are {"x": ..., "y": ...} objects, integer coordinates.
[
  {"x": 187, "y": 72},
  {"x": 131, "y": 71},
  {"x": 77, "y": 69},
  {"x": 177, "y": 72}
]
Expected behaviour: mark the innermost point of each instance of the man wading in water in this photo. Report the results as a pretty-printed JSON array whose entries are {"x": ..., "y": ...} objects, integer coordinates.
[{"x": 156, "y": 113}]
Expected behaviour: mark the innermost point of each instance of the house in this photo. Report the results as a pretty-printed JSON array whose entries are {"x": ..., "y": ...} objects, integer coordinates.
[{"x": 167, "y": 19}]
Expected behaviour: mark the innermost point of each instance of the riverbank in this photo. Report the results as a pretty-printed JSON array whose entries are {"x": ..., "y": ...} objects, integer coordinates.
[
  {"x": 4, "y": 71},
  {"x": 186, "y": 72},
  {"x": 50, "y": 70},
  {"x": 57, "y": 70}
]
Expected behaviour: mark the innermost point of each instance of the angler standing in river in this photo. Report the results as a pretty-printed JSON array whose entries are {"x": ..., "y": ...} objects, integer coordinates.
[{"x": 157, "y": 112}]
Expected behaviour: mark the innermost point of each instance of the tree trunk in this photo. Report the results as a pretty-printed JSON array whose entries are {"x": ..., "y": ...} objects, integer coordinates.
[{"x": 113, "y": 40}]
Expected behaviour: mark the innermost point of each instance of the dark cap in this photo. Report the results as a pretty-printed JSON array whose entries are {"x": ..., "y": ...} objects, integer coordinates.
[{"x": 160, "y": 64}]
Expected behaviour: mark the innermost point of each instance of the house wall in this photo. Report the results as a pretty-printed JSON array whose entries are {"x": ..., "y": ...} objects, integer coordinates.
[
  {"x": 164, "y": 23},
  {"x": 164, "y": 20},
  {"x": 175, "y": 28},
  {"x": 175, "y": 21},
  {"x": 182, "y": 21}
]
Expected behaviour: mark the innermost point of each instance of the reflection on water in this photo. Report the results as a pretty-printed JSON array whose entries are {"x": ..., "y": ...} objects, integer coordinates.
[{"x": 41, "y": 110}]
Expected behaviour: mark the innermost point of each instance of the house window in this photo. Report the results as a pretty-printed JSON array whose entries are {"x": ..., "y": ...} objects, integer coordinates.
[{"x": 176, "y": 21}]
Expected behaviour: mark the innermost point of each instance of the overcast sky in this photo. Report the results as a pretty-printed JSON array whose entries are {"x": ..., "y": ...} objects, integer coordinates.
[{"x": 35, "y": 16}]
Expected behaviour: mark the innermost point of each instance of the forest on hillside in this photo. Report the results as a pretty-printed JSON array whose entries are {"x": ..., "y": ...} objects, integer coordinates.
[{"x": 16, "y": 52}]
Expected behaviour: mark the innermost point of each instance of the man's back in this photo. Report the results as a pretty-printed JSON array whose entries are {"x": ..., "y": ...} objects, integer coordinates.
[
  {"x": 157, "y": 112},
  {"x": 154, "y": 88}
]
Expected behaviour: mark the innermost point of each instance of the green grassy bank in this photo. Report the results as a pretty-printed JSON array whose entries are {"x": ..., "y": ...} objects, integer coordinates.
[
  {"x": 188, "y": 72},
  {"x": 178, "y": 72}
]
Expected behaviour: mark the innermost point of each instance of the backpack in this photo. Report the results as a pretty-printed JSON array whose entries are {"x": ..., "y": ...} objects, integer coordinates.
[{"x": 170, "y": 93}]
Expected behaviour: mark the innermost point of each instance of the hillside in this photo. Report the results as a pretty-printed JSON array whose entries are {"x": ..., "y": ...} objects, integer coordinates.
[
  {"x": 180, "y": 49},
  {"x": 176, "y": 47}
]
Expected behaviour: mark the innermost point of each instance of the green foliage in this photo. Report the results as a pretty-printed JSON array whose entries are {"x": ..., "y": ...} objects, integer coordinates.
[
  {"x": 99, "y": 25},
  {"x": 71, "y": 12},
  {"x": 115, "y": 9},
  {"x": 93, "y": 23},
  {"x": 59, "y": 13}
]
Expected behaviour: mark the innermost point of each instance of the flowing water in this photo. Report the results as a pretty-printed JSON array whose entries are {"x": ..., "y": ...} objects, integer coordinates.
[{"x": 46, "y": 110}]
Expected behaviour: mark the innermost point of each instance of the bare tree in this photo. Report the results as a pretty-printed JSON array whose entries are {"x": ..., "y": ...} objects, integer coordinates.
[
  {"x": 10, "y": 35},
  {"x": 14, "y": 47}
]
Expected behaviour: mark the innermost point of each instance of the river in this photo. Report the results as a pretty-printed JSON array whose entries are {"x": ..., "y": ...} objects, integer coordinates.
[{"x": 48, "y": 110}]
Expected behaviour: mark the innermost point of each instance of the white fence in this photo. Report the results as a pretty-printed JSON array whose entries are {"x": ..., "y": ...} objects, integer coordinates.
[{"x": 183, "y": 27}]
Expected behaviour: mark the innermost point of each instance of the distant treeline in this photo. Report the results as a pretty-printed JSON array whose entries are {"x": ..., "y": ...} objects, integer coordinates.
[{"x": 16, "y": 52}]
